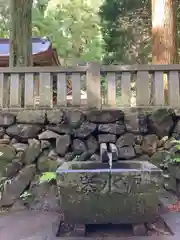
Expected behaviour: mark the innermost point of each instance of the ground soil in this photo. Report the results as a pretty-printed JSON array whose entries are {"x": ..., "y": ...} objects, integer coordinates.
[{"x": 158, "y": 228}]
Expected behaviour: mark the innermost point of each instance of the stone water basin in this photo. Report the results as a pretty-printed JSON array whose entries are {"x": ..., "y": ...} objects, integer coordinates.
[{"x": 94, "y": 193}]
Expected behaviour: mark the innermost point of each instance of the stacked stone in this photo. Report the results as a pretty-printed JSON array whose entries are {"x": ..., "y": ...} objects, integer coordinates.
[{"x": 33, "y": 142}]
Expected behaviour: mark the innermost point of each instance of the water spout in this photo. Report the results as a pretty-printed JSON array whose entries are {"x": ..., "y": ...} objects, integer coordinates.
[
  {"x": 110, "y": 167},
  {"x": 110, "y": 160}
]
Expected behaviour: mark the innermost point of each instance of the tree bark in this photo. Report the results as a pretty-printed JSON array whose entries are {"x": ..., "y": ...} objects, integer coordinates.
[
  {"x": 21, "y": 33},
  {"x": 164, "y": 32},
  {"x": 164, "y": 35}
]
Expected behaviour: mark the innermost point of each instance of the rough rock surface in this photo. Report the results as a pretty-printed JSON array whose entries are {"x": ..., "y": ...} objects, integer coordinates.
[
  {"x": 117, "y": 128},
  {"x": 55, "y": 116},
  {"x": 45, "y": 196},
  {"x": 149, "y": 144},
  {"x": 74, "y": 118},
  {"x": 106, "y": 116},
  {"x": 78, "y": 146},
  {"x": 7, "y": 153},
  {"x": 158, "y": 157},
  {"x": 92, "y": 144},
  {"x": 107, "y": 138},
  {"x": 47, "y": 135},
  {"x": 161, "y": 122},
  {"x": 127, "y": 152},
  {"x": 32, "y": 151},
  {"x": 23, "y": 131},
  {"x": 126, "y": 140},
  {"x": 16, "y": 186},
  {"x": 45, "y": 164},
  {"x": 20, "y": 147},
  {"x": 13, "y": 168},
  {"x": 177, "y": 128},
  {"x": 85, "y": 130},
  {"x": 2, "y": 132},
  {"x": 136, "y": 122},
  {"x": 40, "y": 141},
  {"x": 31, "y": 116},
  {"x": 62, "y": 144},
  {"x": 62, "y": 128},
  {"x": 45, "y": 144},
  {"x": 29, "y": 225},
  {"x": 6, "y": 119}
]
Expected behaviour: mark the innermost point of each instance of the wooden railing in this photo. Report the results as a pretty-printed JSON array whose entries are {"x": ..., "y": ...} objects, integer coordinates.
[{"x": 106, "y": 86}]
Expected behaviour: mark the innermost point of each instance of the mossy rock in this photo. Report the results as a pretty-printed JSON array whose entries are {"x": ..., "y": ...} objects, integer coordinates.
[
  {"x": 7, "y": 153},
  {"x": 44, "y": 164},
  {"x": 161, "y": 122},
  {"x": 159, "y": 157}
]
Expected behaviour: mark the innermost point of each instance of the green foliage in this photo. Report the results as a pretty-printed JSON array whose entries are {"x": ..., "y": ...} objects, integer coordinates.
[
  {"x": 26, "y": 196},
  {"x": 126, "y": 26},
  {"x": 176, "y": 159},
  {"x": 73, "y": 27},
  {"x": 2, "y": 183},
  {"x": 118, "y": 32},
  {"x": 47, "y": 177},
  {"x": 4, "y": 19},
  {"x": 174, "y": 155}
]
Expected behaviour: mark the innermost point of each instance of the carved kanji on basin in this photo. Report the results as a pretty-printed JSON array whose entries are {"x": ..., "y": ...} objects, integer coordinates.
[{"x": 92, "y": 193}]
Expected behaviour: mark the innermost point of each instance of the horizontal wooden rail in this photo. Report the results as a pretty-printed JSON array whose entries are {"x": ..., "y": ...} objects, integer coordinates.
[
  {"x": 103, "y": 68},
  {"x": 138, "y": 67},
  {"x": 78, "y": 69},
  {"x": 93, "y": 86}
]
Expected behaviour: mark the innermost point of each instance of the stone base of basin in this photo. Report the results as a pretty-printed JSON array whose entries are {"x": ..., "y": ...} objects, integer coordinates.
[
  {"x": 110, "y": 209},
  {"x": 91, "y": 194}
]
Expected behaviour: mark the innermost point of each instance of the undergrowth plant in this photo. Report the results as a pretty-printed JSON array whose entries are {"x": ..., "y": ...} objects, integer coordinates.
[
  {"x": 47, "y": 177},
  {"x": 174, "y": 153}
]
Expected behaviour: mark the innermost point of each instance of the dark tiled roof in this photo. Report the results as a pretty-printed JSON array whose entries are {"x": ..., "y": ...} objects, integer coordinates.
[
  {"x": 39, "y": 45},
  {"x": 43, "y": 52}
]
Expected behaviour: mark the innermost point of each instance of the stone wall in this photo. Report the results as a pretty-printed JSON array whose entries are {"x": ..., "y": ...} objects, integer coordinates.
[{"x": 33, "y": 142}]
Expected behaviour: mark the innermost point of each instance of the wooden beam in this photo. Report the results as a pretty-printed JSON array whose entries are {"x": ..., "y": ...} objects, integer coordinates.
[{"x": 93, "y": 85}]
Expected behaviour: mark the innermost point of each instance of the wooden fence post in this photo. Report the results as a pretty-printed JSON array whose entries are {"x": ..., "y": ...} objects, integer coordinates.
[
  {"x": 1, "y": 89},
  {"x": 93, "y": 85}
]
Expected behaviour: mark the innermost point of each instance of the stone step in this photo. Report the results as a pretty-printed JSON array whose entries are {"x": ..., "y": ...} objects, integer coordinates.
[
  {"x": 105, "y": 238},
  {"x": 172, "y": 220},
  {"x": 116, "y": 238},
  {"x": 28, "y": 224},
  {"x": 166, "y": 199}
]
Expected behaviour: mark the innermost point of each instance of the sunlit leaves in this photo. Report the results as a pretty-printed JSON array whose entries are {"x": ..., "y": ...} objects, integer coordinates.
[
  {"x": 126, "y": 30},
  {"x": 72, "y": 26}
]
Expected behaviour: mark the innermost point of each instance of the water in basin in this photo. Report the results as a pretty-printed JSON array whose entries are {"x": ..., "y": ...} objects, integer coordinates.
[{"x": 119, "y": 166}]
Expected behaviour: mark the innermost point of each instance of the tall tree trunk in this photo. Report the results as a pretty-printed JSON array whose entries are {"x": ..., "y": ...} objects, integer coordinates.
[
  {"x": 164, "y": 32},
  {"x": 164, "y": 35},
  {"x": 21, "y": 33}
]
